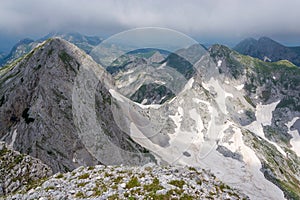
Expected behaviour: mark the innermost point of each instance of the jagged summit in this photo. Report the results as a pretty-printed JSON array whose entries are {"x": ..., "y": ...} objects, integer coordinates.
[
  {"x": 36, "y": 110},
  {"x": 235, "y": 115}
]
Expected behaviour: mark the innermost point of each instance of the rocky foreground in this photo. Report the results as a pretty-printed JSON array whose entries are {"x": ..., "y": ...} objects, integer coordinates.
[
  {"x": 17, "y": 171},
  {"x": 123, "y": 182}
]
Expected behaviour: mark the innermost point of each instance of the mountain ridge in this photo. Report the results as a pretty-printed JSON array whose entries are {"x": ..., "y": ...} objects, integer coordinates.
[
  {"x": 24, "y": 46},
  {"x": 46, "y": 105},
  {"x": 37, "y": 115},
  {"x": 268, "y": 50}
]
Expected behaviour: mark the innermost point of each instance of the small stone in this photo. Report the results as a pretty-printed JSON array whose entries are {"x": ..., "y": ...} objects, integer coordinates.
[
  {"x": 72, "y": 191},
  {"x": 89, "y": 193}
]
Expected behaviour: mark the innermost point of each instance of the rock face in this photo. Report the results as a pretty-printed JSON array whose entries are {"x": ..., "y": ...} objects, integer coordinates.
[
  {"x": 18, "y": 170},
  {"x": 234, "y": 115},
  {"x": 232, "y": 118},
  {"x": 120, "y": 182},
  {"x": 268, "y": 50},
  {"x": 36, "y": 114}
]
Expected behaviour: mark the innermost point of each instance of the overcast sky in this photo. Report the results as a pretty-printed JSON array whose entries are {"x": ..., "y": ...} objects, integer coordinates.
[{"x": 209, "y": 21}]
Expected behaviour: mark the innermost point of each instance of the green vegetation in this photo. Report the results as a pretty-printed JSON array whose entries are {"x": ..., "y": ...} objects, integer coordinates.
[
  {"x": 248, "y": 99},
  {"x": 177, "y": 183},
  {"x": 133, "y": 182},
  {"x": 223, "y": 187},
  {"x": 84, "y": 176},
  {"x": 79, "y": 195},
  {"x": 67, "y": 60},
  {"x": 154, "y": 186},
  {"x": 81, "y": 184},
  {"x": 118, "y": 179},
  {"x": 277, "y": 169},
  {"x": 97, "y": 192},
  {"x": 60, "y": 175},
  {"x": 49, "y": 188},
  {"x": 91, "y": 167},
  {"x": 50, "y": 52},
  {"x": 289, "y": 102},
  {"x": 113, "y": 197}
]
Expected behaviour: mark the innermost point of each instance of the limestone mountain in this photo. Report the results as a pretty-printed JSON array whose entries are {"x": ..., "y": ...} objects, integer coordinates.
[
  {"x": 36, "y": 113},
  {"x": 234, "y": 115},
  {"x": 238, "y": 116},
  {"x": 268, "y": 50}
]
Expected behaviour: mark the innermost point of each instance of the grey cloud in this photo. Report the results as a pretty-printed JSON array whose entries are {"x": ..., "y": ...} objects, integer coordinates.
[{"x": 220, "y": 19}]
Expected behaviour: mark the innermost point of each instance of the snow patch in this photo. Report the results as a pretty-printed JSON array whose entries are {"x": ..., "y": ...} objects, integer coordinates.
[
  {"x": 295, "y": 141},
  {"x": 221, "y": 94},
  {"x": 116, "y": 95},
  {"x": 160, "y": 82},
  {"x": 251, "y": 171},
  {"x": 13, "y": 138},
  {"x": 263, "y": 116},
  {"x": 144, "y": 101},
  {"x": 239, "y": 87},
  {"x": 264, "y": 113},
  {"x": 200, "y": 101},
  {"x": 219, "y": 63},
  {"x": 241, "y": 111},
  {"x": 162, "y": 65},
  {"x": 188, "y": 85}
]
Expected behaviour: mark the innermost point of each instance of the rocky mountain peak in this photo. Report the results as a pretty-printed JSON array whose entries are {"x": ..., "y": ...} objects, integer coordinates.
[
  {"x": 234, "y": 115},
  {"x": 37, "y": 108}
]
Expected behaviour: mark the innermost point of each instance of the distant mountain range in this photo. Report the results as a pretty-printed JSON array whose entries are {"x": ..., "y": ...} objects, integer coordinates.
[
  {"x": 237, "y": 116},
  {"x": 264, "y": 48},
  {"x": 234, "y": 115},
  {"x": 269, "y": 50},
  {"x": 24, "y": 46}
]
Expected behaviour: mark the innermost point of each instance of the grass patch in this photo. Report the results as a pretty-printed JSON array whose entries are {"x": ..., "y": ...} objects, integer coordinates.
[
  {"x": 59, "y": 176},
  {"x": 84, "y": 176},
  {"x": 81, "y": 184},
  {"x": 247, "y": 98},
  {"x": 154, "y": 186},
  {"x": 79, "y": 195},
  {"x": 133, "y": 182},
  {"x": 177, "y": 183}
]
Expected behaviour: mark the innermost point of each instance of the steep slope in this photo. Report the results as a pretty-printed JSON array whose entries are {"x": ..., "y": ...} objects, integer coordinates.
[
  {"x": 38, "y": 102},
  {"x": 268, "y": 50},
  {"x": 232, "y": 117},
  {"x": 271, "y": 89},
  {"x": 146, "y": 77},
  {"x": 235, "y": 115}
]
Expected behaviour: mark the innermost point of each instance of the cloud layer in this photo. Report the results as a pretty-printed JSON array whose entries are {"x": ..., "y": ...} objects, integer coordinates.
[{"x": 203, "y": 19}]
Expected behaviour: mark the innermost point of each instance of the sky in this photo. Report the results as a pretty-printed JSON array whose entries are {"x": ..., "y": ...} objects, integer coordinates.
[{"x": 208, "y": 21}]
